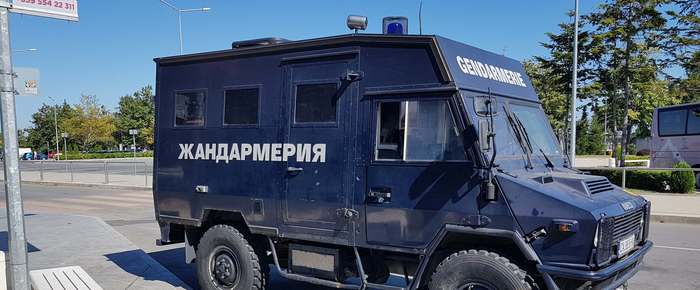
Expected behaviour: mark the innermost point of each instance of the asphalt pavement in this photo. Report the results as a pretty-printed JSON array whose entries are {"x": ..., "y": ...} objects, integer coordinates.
[{"x": 672, "y": 264}]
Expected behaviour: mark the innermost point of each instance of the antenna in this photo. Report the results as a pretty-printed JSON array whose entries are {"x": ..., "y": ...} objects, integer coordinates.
[{"x": 420, "y": 18}]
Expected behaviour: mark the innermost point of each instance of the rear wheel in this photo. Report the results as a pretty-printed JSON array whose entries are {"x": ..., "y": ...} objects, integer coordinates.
[
  {"x": 478, "y": 270},
  {"x": 225, "y": 261}
]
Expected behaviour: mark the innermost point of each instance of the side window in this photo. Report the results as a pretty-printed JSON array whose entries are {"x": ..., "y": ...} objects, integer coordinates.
[
  {"x": 417, "y": 131},
  {"x": 316, "y": 103},
  {"x": 672, "y": 122},
  {"x": 694, "y": 120},
  {"x": 189, "y": 109},
  {"x": 241, "y": 106}
]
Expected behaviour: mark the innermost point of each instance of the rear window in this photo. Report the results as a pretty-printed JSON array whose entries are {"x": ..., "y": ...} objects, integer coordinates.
[
  {"x": 693, "y": 121},
  {"x": 241, "y": 106},
  {"x": 672, "y": 122},
  {"x": 189, "y": 109},
  {"x": 316, "y": 103}
]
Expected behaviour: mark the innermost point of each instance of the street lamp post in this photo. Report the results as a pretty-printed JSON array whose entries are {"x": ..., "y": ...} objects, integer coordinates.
[
  {"x": 55, "y": 127},
  {"x": 179, "y": 17},
  {"x": 574, "y": 83},
  {"x": 65, "y": 148},
  {"x": 133, "y": 133}
]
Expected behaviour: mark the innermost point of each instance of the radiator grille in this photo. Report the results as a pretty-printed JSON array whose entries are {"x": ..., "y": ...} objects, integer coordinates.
[
  {"x": 615, "y": 229},
  {"x": 628, "y": 224}
]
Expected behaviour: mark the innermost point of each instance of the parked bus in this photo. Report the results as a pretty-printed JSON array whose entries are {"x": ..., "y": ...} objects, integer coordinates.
[{"x": 675, "y": 136}]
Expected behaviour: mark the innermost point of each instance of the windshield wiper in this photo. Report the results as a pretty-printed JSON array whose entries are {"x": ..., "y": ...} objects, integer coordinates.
[
  {"x": 549, "y": 163},
  {"x": 520, "y": 135}
]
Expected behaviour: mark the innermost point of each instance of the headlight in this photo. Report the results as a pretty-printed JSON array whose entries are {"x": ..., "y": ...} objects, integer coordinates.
[{"x": 595, "y": 237}]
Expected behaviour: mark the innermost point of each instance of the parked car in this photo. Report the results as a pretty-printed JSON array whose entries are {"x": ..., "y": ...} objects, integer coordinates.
[{"x": 33, "y": 156}]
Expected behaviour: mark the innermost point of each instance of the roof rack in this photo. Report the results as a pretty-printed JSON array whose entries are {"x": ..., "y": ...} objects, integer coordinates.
[{"x": 257, "y": 42}]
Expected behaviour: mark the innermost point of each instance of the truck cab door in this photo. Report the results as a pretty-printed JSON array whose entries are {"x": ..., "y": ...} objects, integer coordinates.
[
  {"x": 318, "y": 179},
  {"x": 420, "y": 177}
]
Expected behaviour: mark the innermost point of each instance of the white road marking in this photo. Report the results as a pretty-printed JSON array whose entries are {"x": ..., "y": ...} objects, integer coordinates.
[
  {"x": 118, "y": 198},
  {"x": 677, "y": 248}
]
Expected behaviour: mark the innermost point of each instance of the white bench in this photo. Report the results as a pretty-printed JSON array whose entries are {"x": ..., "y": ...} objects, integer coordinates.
[{"x": 64, "y": 278}]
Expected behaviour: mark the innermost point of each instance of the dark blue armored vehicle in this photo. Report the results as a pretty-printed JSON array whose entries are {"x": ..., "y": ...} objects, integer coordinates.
[{"x": 383, "y": 162}]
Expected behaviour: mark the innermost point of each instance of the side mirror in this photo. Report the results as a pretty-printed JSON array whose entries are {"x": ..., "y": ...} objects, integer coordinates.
[
  {"x": 483, "y": 106},
  {"x": 488, "y": 190},
  {"x": 484, "y": 132}
]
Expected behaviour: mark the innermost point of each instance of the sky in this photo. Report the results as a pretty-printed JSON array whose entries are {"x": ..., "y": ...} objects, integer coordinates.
[{"x": 110, "y": 51}]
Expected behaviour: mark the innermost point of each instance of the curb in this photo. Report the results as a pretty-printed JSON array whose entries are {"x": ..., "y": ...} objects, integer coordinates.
[
  {"x": 94, "y": 185},
  {"x": 678, "y": 219}
]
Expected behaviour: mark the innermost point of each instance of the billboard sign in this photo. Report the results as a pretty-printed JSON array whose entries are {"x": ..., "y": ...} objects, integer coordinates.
[
  {"x": 59, "y": 9},
  {"x": 27, "y": 81}
]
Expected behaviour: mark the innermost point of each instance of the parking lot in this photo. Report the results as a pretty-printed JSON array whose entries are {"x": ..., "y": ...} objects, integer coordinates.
[{"x": 668, "y": 266}]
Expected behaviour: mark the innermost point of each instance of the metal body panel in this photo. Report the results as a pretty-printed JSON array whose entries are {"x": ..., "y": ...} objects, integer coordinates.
[{"x": 329, "y": 202}]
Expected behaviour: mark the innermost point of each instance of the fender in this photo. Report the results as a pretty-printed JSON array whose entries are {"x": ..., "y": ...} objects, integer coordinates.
[{"x": 513, "y": 236}]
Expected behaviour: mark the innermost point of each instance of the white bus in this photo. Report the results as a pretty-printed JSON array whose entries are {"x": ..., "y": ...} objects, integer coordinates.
[{"x": 675, "y": 136}]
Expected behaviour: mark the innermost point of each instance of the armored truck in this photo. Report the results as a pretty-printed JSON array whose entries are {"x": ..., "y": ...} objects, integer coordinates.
[{"x": 378, "y": 161}]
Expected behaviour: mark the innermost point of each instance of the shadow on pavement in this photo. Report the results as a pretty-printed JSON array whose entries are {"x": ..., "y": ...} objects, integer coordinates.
[
  {"x": 134, "y": 263},
  {"x": 174, "y": 260},
  {"x": 4, "y": 246}
]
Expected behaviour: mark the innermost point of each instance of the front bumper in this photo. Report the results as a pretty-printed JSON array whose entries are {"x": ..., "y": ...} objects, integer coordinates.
[{"x": 606, "y": 278}]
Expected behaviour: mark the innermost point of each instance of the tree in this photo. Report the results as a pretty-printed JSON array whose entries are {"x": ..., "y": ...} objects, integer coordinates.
[
  {"x": 91, "y": 124},
  {"x": 553, "y": 100},
  {"x": 631, "y": 31},
  {"x": 136, "y": 111},
  {"x": 582, "y": 133},
  {"x": 551, "y": 75},
  {"x": 43, "y": 131}
]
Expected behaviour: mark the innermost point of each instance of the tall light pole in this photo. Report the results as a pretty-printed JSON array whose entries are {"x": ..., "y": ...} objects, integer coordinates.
[
  {"x": 17, "y": 269},
  {"x": 65, "y": 148},
  {"x": 55, "y": 127},
  {"x": 179, "y": 16},
  {"x": 574, "y": 77}
]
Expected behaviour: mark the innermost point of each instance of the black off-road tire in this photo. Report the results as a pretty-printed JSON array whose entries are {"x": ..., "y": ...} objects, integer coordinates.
[
  {"x": 226, "y": 242},
  {"x": 478, "y": 268}
]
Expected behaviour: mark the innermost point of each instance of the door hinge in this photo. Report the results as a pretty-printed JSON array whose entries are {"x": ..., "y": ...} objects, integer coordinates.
[
  {"x": 348, "y": 213},
  {"x": 476, "y": 220}
]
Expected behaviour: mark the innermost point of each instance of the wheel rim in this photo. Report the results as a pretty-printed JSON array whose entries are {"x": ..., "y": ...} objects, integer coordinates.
[
  {"x": 224, "y": 267},
  {"x": 476, "y": 286}
]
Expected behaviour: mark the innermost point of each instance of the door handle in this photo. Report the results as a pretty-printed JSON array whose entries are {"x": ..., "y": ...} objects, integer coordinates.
[
  {"x": 294, "y": 170},
  {"x": 379, "y": 195}
]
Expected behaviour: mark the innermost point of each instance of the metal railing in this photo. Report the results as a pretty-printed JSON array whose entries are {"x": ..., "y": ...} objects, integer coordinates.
[
  {"x": 634, "y": 168},
  {"x": 73, "y": 168}
]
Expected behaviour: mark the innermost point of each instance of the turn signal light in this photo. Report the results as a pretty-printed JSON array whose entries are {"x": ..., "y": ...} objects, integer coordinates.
[{"x": 565, "y": 226}]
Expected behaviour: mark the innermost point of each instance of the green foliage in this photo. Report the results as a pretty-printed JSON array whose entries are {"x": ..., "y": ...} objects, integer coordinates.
[
  {"x": 91, "y": 124},
  {"x": 639, "y": 179},
  {"x": 136, "y": 111},
  {"x": 77, "y": 155},
  {"x": 43, "y": 133},
  {"x": 682, "y": 181},
  {"x": 589, "y": 135}
]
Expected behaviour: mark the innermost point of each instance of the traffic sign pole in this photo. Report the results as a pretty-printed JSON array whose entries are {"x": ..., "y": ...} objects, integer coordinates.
[{"x": 18, "y": 271}]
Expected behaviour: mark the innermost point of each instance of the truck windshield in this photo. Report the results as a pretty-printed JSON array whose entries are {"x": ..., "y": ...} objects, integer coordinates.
[
  {"x": 538, "y": 130},
  {"x": 510, "y": 153}
]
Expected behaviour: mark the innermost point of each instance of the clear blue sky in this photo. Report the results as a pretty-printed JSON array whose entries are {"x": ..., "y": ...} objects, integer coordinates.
[{"x": 110, "y": 52}]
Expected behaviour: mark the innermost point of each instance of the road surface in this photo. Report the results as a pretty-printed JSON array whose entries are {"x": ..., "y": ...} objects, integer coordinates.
[{"x": 674, "y": 263}]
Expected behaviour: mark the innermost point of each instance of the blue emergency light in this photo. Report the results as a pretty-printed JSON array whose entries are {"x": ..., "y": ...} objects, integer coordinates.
[{"x": 395, "y": 25}]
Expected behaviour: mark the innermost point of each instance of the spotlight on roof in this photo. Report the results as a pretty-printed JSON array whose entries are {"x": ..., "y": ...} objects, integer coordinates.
[{"x": 357, "y": 22}]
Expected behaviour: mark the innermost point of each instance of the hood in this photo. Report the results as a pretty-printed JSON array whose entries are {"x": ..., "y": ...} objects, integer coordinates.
[{"x": 537, "y": 199}]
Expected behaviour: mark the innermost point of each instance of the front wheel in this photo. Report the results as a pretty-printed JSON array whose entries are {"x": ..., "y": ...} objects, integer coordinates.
[
  {"x": 225, "y": 261},
  {"x": 477, "y": 270}
]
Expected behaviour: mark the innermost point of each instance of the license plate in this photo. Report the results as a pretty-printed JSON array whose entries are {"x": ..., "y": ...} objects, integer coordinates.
[{"x": 625, "y": 245}]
